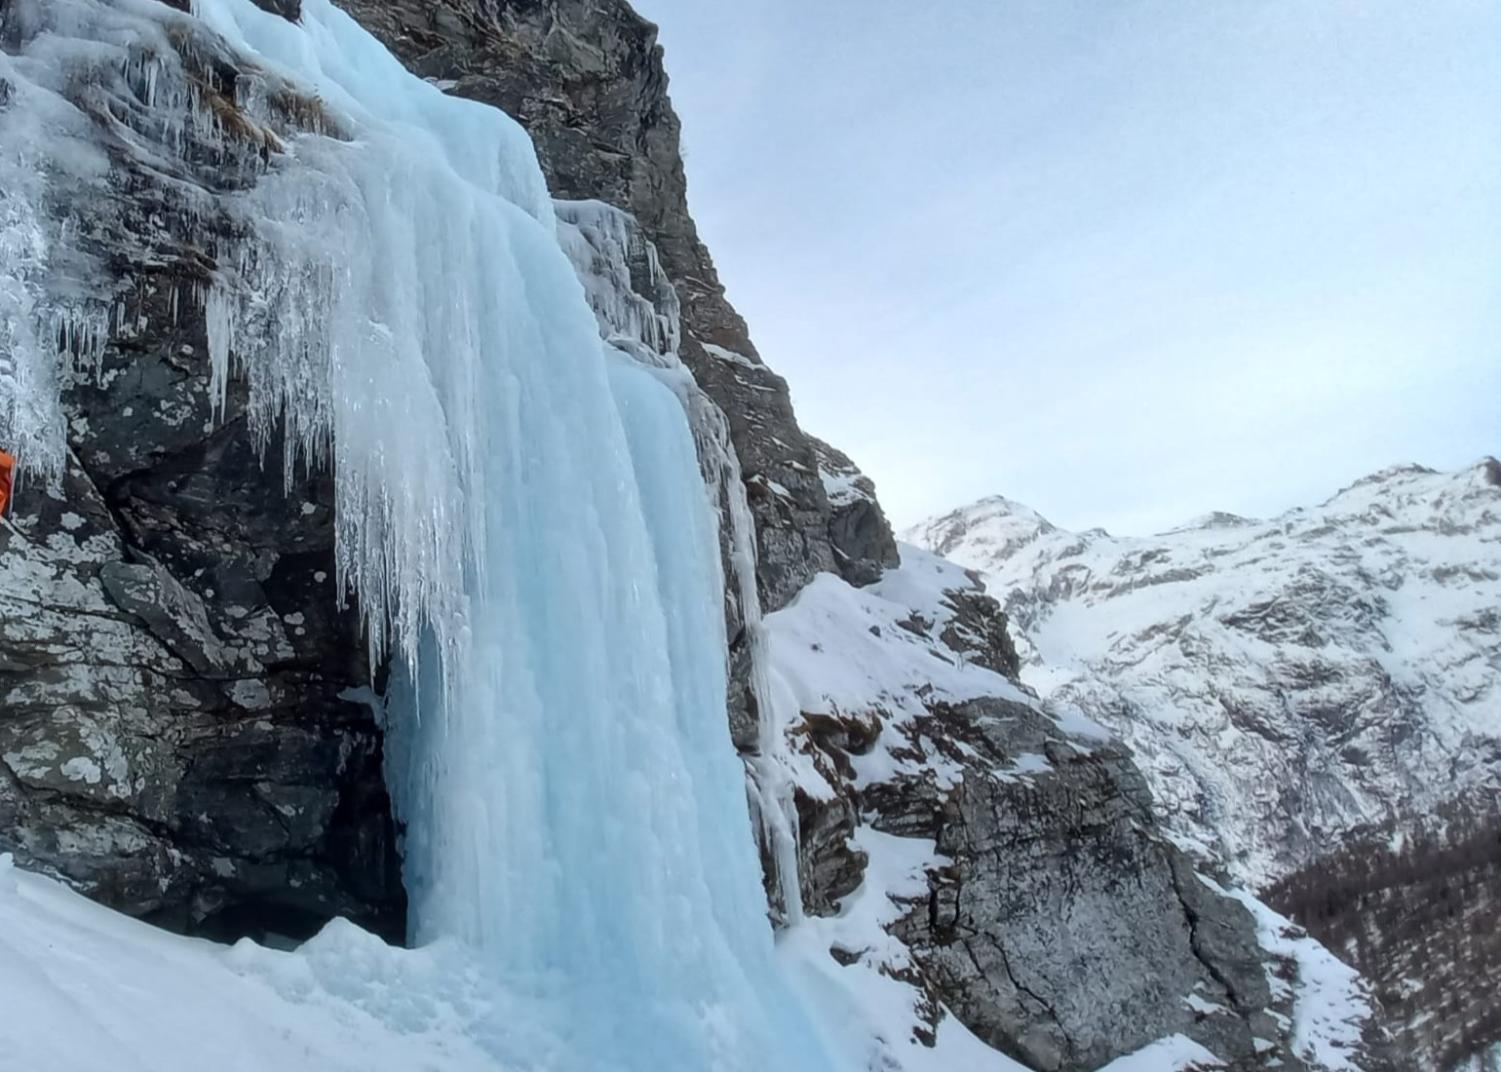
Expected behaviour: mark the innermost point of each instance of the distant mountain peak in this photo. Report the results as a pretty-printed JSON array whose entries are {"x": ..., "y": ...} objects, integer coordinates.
[{"x": 1347, "y": 646}]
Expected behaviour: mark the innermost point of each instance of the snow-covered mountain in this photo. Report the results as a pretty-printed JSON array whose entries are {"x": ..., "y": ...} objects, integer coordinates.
[
  {"x": 1315, "y": 700},
  {"x": 1282, "y": 682}
]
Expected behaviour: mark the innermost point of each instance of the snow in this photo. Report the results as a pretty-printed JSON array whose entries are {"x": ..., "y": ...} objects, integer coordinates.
[
  {"x": 1488, "y": 1060},
  {"x": 1199, "y": 1005},
  {"x": 731, "y": 356},
  {"x": 841, "y": 488},
  {"x": 1172, "y": 1054},
  {"x": 846, "y": 649},
  {"x": 870, "y": 1012},
  {"x": 840, "y": 650},
  {"x": 85, "y": 989},
  {"x": 1331, "y": 1003},
  {"x": 843, "y": 483}
]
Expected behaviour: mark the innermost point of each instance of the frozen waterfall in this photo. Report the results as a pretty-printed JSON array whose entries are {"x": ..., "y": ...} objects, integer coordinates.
[{"x": 521, "y": 517}]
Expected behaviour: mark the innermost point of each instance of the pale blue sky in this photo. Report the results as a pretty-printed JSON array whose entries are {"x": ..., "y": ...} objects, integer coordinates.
[{"x": 1124, "y": 261}]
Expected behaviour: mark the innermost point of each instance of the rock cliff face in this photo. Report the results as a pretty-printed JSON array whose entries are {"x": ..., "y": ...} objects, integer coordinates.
[{"x": 184, "y": 725}]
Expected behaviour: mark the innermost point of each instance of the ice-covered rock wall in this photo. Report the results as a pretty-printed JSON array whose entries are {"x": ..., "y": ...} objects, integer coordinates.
[{"x": 519, "y": 513}]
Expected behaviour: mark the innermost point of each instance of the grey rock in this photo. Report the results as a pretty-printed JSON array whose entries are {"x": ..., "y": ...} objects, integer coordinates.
[
  {"x": 1060, "y": 925},
  {"x": 172, "y": 614},
  {"x": 978, "y": 630},
  {"x": 1067, "y": 931},
  {"x": 862, "y": 540}
]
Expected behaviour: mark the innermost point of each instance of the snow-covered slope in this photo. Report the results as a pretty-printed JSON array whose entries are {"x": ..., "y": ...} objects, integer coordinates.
[
  {"x": 1282, "y": 682},
  {"x": 1011, "y": 880}
]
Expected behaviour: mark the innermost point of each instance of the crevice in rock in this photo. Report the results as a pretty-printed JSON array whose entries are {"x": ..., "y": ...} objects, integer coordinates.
[
  {"x": 1195, "y": 944},
  {"x": 1021, "y": 988}
]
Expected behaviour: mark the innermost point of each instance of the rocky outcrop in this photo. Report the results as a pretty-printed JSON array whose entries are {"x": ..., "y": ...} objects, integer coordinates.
[
  {"x": 1062, "y": 900},
  {"x": 862, "y": 540},
  {"x": 1056, "y": 921}
]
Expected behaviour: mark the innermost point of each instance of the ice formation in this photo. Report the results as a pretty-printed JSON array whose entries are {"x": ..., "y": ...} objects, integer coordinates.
[
  {"x": 521, "y": 513},
  {"x": 638, "y": 313}
]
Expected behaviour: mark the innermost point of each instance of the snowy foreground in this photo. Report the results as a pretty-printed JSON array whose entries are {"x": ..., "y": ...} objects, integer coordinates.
[{"x": 85, "y": 989}]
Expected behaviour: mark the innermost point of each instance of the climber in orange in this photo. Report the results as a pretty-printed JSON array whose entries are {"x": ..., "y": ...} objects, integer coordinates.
[{"x": 7, "y": 477}]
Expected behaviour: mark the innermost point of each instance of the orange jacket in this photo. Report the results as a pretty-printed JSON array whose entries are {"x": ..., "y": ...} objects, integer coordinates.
[{"x": 7, "y": 475}]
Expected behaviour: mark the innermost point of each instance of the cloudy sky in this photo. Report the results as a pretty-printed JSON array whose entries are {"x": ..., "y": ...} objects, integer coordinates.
[{"x": 1124, "y": 260}]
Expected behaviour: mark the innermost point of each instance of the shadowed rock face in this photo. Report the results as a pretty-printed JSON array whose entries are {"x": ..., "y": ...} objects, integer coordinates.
[{"x": 173, "y": 737}]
